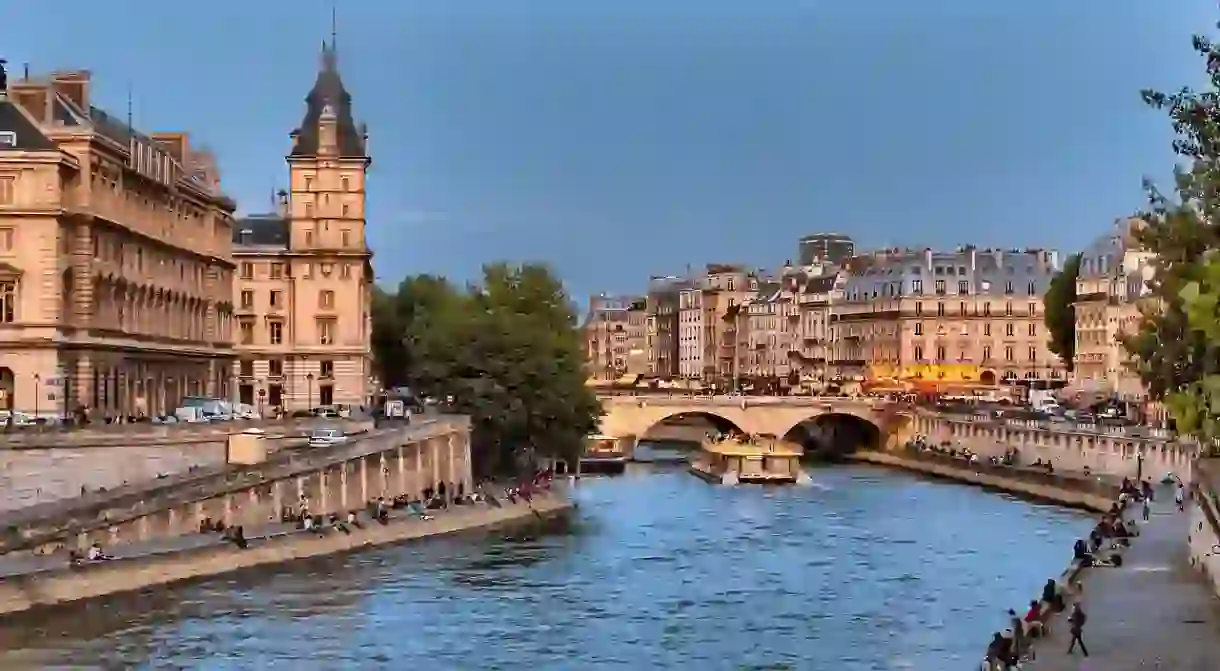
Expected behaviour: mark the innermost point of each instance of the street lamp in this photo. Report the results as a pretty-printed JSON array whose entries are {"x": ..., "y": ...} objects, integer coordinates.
[
  {"x": 37, "y": 381},
  {"x": 309, "y": 391},
  {"x": 1139, "y": 465}
]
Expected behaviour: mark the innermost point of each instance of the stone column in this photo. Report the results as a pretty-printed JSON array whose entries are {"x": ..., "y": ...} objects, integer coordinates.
[
  {"x": 364, "y": 480},
  {"x": 277, "y": 498},
  {"x": 383, "y": 475},
  {"x": 343, "y": 485},
  {"x": 82, "y": 382},
  {"x": 419, "y": 466},
  {"x": 210, "y": 388},
  {"x": 323, "y": 490},
  {"x": 434, "y": 455},
  {"x": 402, "y": 471}
]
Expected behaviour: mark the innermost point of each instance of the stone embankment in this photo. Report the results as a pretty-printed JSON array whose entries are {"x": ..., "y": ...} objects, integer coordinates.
[
  {"x": 39, "y": 467},
  {"x": 208, "y": 556},
  {"x": 1204, "y": 526},
  {"x": 1067, "y": 490}
]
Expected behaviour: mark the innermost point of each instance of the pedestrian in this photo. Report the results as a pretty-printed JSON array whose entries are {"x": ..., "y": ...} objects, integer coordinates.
[
  {"x": 1179, "y": 497},
  {"x": 1147, "y": 509},
  {"x": 1076, "y": 625}
]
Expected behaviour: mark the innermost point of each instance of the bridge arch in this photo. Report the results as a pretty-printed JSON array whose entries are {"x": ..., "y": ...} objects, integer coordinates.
[
  {"x": 834, "y": 434},
  {"x": 718, "y": 421}
]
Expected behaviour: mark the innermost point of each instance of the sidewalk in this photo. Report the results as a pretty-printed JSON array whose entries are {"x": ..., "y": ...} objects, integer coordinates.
[{"x": 1154, "y": 612}]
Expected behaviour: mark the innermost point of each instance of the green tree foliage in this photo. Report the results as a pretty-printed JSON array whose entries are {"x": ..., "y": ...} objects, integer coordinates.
[
  {"x": 1059, "y": 313},
  {"x": 1177, "y": 355},
  {"x": 506, "y": 350}
]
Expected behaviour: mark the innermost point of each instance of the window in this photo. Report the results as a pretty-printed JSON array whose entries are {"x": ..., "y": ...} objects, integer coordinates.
[
  {"x": 246, "y": 327},
  {"x": 277, "y": 299},
  {"x": 309, "y": 210},
  {"x": 940, "y": 287},
  {"x": 1033, "y": 309},
  {"x": 245, "y": 368},
  {"x": 6, "y": 239},
  {"x": 940, "y": 353},
  {"x": 326, "y": 331},
  {"x": 918, "y": 308},
  {"x": 961, "y": 308},
  {"x": 8, "y": 138},
  {"x": 347, "y": 271},
  {"x": 6, "y": 190},
  {"x": 1008, "y": 329},
  {"x": 1033, "y": 329},
  {"x": 346, "y": 185},
  {"x": 247, "y": 271},
  {"x": 730, "y": 284},
  {"x": 1032, "y": 288},
  {"x": 987, "y": 309},
  {"x": 917, "y": 286},
  {"x": 326, "y": 299},
  {"x": 919, "y": 353},
  {"x": 346, "y": 209},
  {"x": 1008, "y": 309},
  {"x": 247, "y": 299},
  {"x": 308, "y": 238},
  {"x": 986, "y": 352},
  {"x": 309, "y": 271},
  {"x": 309, "y": 182},
  {"x": 1008, "y": 287},
  {"x": 275, "y": 368},
  {"x": 346, "y": 236},
  {"x": 326, "y": 368},
  {"x": 987, "y": 329},
  {"x": 277, "y": 271},
  {"x": 963, "y": 287},
  {"x": 1033, "y": 353},
  {"x": 918, "y": 328},
  {"x": 276, "y": 330},
  {"x": 8, "y": 302},
  {"x": 940, "y": 309},
  {"x": 1008, "y": 353}
]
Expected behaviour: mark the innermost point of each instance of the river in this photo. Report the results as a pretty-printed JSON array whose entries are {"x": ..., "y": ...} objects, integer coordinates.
[{"x": 867, "y": 569}]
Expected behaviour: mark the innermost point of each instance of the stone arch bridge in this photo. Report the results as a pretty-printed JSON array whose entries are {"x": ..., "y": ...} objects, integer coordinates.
[{"x": 876, "y": 422}]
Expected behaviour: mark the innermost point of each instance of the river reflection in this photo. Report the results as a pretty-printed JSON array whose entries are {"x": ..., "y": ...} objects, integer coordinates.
[{"x": 867, "y": 569}]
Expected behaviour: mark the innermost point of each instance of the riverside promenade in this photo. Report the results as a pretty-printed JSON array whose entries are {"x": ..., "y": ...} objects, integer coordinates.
[{"x": 1153, "y": 612}]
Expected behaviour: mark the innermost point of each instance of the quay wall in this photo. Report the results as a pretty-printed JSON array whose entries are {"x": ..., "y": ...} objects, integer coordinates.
[
  {"x": 43, "y": 467},
  {"x": 1203, "y": 540},
  {"x": 1114, "y": 451},
  {"x": 1077, "y": 494},
  {"x": 401, "y": 460},
  {"x": 100, "y": 579}
]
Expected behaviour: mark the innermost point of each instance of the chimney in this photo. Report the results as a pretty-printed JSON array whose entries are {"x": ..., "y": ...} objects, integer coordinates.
[
  {"x": 282, "y": 203},
  {"x": 73, "y": 85},
  {"x": 34, "y": 98}
]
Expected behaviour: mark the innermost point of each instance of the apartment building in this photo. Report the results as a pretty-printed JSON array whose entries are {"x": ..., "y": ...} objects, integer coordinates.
[
  {"x": 616, "y": 337},
  {"x": 115, "y": 258},
  {"x": 661, "y": 325},
  {"x": 304, "y": 282},
  {"x": 707, "y": 333},
  {"x": 1111, "y": 285},
  {"x": 969, "y": 315}
]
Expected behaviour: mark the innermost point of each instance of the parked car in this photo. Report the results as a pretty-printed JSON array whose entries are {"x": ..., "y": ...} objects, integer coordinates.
[{"x": 327, "y": 437}]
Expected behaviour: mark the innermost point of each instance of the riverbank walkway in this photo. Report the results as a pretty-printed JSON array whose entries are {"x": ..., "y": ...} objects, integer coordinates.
[{"x": 1154, "y": 612}]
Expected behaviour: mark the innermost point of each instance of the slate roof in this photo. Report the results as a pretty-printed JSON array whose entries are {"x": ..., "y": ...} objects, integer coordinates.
[
  {"x": 268, "y": 230},
  {"x": 327, "y": 90},
  {"x": 29, "y": 137},
  {"x": 821, "y": 284}
]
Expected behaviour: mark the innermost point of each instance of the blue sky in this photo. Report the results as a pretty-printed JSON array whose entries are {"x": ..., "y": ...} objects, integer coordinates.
[{"x": 625, "y": 138}]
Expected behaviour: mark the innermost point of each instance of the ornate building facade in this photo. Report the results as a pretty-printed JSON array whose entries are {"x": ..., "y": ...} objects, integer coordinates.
[
  {"x": 115, "y": 259},
  {"x": 303, "y": 286}
]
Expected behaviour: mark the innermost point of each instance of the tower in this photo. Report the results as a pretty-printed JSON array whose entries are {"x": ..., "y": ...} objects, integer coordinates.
[{"x": 329, "y": 259}]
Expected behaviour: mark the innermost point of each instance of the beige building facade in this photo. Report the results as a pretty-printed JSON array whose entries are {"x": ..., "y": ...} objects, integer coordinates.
[
  {"x": 302, "y": 291},
  {"x": 970, "y": 315},
  {"x": 616, "y": 337},
  {"x": 707, "y": 327},
  {"x": 1111, "y": 286},
  {"x": 115, "y": 259}
]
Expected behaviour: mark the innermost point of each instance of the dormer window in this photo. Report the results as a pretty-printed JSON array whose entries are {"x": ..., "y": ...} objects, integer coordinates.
[
  {"x": 8, "y": 138},
  {"x": 246, "y": 235}
]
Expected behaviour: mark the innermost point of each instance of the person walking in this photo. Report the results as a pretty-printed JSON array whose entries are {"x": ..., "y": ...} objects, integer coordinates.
[
  {"x": 1147, "y": 509},
  {"x": 1179, "y": 497},
  {"x": 1076, "y": 626}
]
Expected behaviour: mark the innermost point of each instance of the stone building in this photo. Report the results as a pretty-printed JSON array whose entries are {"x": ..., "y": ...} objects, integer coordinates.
[
  {"x": 615, "y": 337},
  {"x": 707, "y": 340},
  {"x": 661, "y": 325},
  {"x": 1111, "y": 285},
  {"x": 303, "y": 289},
  {"x": 970, "y": 315},
  {"x": 115, "y": 258}
]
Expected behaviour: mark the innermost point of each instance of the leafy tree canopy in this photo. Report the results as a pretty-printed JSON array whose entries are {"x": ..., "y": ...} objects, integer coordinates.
[
  {"x": 1177, "y": 352},
  {"x": 507, "y": 351},
  {"x": 1058, "y": 311}
]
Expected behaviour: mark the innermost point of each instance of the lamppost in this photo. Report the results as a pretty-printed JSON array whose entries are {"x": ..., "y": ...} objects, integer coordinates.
[
  {"x": 309, "y": 391},
  {"x": 37, "y": 393},
  {"x": 1139, "y": 465}
]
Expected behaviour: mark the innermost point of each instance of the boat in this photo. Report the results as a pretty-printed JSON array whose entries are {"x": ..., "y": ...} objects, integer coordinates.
[
  {"x": 606, "y": 454},
  {"x": 760, "y": 459}
]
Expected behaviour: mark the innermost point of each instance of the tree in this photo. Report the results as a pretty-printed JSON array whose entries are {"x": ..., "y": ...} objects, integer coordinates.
[
  {"x": 508, "y": 352},
  {"x": 1059, "y": 312},
  {"x": 1177, "y": 354}
]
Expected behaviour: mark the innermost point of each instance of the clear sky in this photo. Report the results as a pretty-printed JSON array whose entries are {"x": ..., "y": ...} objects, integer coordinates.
[{"x": 618, "y": 139}]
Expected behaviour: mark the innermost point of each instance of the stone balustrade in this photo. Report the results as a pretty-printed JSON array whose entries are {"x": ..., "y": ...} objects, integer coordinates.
[
  {"x": 106, "y": 435},
  {"x": 32, "y": 475},
  {"x": 387, "y": 462}
]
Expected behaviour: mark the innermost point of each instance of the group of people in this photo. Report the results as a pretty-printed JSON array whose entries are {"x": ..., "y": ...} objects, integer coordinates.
[{"x": 921, "y": 444}]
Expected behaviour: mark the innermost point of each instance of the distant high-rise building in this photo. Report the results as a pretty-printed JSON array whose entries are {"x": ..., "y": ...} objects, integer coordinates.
[{"x": 833, "y": 247}]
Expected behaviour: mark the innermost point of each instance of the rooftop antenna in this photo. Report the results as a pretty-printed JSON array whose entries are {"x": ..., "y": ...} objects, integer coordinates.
[
  {"x": 129, "y": 108},
  {"x": 334, "y": 23}
]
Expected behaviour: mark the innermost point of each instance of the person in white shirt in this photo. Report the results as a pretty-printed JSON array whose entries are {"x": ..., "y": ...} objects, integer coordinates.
[{"x": 1179, "y": 497}]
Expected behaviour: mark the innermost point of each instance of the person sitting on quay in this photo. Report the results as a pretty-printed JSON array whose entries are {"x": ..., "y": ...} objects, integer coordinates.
[
  {"x": 96, "y": 553},
  {"x": 353, "y": 521},
  {"x": 237, "y": 535},
  {"x": 999, "y": 652},
  {"x": 1080, "y": 552},
  {"x": 1052, "y": 593},
  {"x": 1017, "y": 627},
  {"x": 336, "y": 523},
  {"x": 1033, "y": 624}
]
